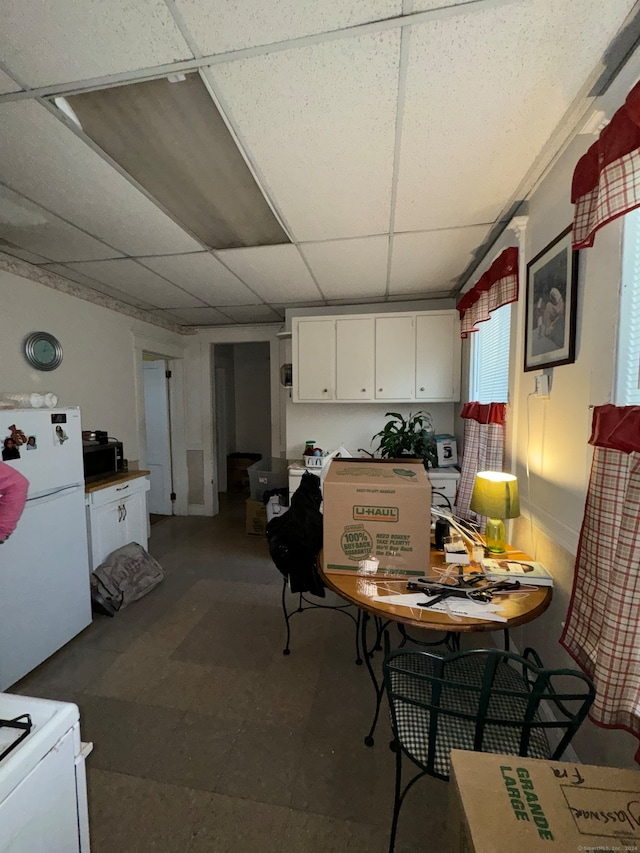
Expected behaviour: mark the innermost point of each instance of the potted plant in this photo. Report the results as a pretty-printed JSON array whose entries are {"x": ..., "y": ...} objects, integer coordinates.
[{"x": 411, "y": 436}]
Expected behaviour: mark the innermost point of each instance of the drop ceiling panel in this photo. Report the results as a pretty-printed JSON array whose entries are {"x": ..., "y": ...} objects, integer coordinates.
[
  {"x": 349, "y": 268},
  {"x": 139, "y": 281},
  {"x": 319, "y": 121},
  {"x": 91, "y": 283},
  {"x": 27, "y": 225},
  {"x": 490, "y": 105},
  {"x": 229, "y": 25},
  {"x": 203, "y": 276},
  {"x": 48, "y": 163},
  {"x": 194, "y": 316},
  {"x": 253, "y": 314},
  {"x": 275, "y": 273},
  {"x": 7, "y": 84},
  {"x": 61, "y": 41},
  {"x": 23, "y": 254},
  {"x": 431, "y": 261}
]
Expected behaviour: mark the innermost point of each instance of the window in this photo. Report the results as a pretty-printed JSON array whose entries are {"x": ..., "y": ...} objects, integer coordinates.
[
  {"x": 489, "y": 379},
  {"x": 628, "y": 358}
]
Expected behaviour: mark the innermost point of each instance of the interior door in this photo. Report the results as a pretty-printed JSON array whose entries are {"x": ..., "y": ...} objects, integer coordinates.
[{"x": 156, "y": 410}]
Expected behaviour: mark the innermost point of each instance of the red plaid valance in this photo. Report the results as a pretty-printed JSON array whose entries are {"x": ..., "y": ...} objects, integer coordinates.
[
  {"x": 496, "y": 287},
  {"x": 485, "y": 413},
  {"x": 606, "y": 180}
]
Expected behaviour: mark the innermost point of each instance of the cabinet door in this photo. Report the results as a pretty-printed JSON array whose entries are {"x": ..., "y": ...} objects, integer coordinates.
[
  {"x": 395, "y": 358},
  {"x": 355, "y": 348},
  {"x": 106, "y": 530},
  {"x": 315, "y": 347},
  {"x": 134, "y": 520},
  {"x": 437, "y": 357}
]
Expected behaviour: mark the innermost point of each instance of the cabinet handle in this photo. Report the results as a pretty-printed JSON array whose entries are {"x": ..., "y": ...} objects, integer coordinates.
[
  {"x": 121, "y": 488},
  {"x": 379, "y": 389},
  {"x": 422, "y": 389},
  {"x": 438, "y": 488},
  {"x": 119, "y": 513},
  {"x": 124, "y": 509},
  {"x": 363, "y": 390},
  {"x": 324, "y": 390}
]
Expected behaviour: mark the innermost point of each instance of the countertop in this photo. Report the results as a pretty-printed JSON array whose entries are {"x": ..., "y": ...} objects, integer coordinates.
[{"x": 112, "y": 479}]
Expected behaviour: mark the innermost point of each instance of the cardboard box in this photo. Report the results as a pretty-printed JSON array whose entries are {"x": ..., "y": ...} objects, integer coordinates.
[
  {"x": 256, "y": 517},
  {"x": 447, "y": 450},
  {"x": 377, "y": 507},
  {"x": 502, "y": 803}
]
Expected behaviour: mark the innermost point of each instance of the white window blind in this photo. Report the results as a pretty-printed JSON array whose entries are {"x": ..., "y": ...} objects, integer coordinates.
[
  {"x": 628, "y": 360},
  {"x": 489, "y": 381}
]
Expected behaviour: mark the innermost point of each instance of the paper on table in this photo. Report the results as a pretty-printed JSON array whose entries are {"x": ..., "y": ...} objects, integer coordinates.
[{"x": 458, "y": 606}]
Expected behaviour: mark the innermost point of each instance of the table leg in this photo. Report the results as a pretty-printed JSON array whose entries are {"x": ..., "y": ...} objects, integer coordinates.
[{"x": 378, "y": 686}]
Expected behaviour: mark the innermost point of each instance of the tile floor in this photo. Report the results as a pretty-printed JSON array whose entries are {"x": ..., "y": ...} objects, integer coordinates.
[{"x": 207, "y": 739}]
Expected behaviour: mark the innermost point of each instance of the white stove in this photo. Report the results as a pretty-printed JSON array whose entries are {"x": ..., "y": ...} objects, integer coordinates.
[{"x": 43, "y": 792}]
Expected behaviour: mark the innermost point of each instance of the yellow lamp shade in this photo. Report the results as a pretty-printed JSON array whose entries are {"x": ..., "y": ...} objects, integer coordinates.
[{"x": 495, "y": 494}]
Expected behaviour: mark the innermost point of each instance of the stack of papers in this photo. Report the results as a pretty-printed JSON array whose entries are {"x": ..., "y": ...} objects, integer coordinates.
[{"x": 455, "y": 606}]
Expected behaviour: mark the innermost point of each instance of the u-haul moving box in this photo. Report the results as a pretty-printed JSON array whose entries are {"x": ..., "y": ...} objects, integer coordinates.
[
  {"x": 503, "y": 804},
  {"x": 378, "y": 508}
]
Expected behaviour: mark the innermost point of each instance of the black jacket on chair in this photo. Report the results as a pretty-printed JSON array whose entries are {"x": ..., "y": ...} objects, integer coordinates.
[{"x": 295, "y": 538}]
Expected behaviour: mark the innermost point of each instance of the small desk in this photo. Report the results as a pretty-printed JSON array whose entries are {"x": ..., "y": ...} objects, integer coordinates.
[{"x": 360, "y": 589}]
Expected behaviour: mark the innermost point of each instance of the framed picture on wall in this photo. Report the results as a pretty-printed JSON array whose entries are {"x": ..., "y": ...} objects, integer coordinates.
[{"x": 550, "y": 327}]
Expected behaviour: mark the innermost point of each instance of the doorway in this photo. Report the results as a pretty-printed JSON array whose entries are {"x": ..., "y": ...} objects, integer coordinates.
[{"x": 158, "y": 436}]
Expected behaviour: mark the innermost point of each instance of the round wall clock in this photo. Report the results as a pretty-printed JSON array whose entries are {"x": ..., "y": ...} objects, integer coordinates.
[{"x": 42, "y": 351}]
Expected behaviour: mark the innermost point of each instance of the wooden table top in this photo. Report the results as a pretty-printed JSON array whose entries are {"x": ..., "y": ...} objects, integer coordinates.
[{"x": 518, "y": 608}]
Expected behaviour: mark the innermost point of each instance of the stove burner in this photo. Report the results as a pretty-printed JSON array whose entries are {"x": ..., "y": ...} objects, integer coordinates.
[{"x": 23, "y": 723}]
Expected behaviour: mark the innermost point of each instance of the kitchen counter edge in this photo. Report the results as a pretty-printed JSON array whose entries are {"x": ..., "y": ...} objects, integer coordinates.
[{"x": 113, "y": 479}]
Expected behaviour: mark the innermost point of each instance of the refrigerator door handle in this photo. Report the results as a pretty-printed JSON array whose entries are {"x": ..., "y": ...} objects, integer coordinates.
[{"x": 45, "y": 497}]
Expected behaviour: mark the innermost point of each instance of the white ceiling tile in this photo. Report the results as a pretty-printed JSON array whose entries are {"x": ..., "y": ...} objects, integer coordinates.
[
  {"x": 91, "y": 283},
  {"x": 253, "y": 314},
  {"x": 47, "y": 162},
  {"x": 479, "y": 107},
  {"x": 319, "y": 122},
  {"x": 430, "y": 5},
  {"x": 26, "y": 224},
  {"x": 137, "y": 280},
  {"x": 62, "y": 41},
  {"x": 229, "y": 25},
  {"x": 7, "y": 84},
  {"x": 203, "y": 276},
  {"x": 23, "y": 254},
  {"x": 425, "y": 262},
  {"x": 275, "y": 273},
  {"x": 194, "y": 316},
  {"x": 349, "y": 268}
]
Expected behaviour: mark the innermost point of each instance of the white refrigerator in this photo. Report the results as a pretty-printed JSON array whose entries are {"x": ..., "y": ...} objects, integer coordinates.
[{"x": 45, "y": 597}]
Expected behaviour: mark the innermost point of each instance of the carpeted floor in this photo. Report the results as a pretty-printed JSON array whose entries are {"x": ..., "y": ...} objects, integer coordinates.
[{"x": 207, "y": 739}]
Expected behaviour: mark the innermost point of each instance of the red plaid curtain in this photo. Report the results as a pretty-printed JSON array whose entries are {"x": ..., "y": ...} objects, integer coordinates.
[
  {"x": 606, "y": 180},
  {"x": 496, "y": 287},
  {"x": 602, "y": 631},
  {"x": 483, "y": 449}
]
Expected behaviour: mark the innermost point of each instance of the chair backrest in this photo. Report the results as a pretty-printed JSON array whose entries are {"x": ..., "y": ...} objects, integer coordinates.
[{"x": 485, "y": 700}]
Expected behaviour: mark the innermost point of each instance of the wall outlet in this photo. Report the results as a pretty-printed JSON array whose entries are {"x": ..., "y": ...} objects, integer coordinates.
[{"x": 542, "y": 386}]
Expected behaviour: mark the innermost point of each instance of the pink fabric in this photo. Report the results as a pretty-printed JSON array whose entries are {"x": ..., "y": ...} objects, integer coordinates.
[
  {"x": 606, "y": 179},
  {"x": 13, "y": 496},
  {"x": 496, "y": 287},
  {"x": 483, "y": 451}
]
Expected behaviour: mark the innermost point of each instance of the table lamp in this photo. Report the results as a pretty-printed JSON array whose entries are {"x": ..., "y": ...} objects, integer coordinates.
[{"x": 495, "y": 495}]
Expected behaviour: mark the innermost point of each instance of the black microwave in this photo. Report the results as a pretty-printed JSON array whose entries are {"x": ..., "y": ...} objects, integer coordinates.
[{"x": 101, "y": 460}]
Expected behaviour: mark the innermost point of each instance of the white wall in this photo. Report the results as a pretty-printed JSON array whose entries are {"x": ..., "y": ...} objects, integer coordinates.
[{"x": 99, "y": 369}]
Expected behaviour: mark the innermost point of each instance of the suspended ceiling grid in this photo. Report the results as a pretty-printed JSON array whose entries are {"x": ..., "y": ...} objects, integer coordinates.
[{"x": 389, "y": 139}]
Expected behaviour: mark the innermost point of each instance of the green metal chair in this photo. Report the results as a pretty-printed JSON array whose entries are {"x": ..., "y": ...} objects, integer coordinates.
[{"x": 485, "y": 700}]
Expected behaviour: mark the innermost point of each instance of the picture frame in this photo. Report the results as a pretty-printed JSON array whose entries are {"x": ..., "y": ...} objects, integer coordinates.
[{"x": 551, "y": 305}]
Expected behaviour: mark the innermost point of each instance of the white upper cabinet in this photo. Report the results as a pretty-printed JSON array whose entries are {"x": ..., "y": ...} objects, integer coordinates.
[
  {"x": 377, "y": 357},
  {"x": 395, "y": 357},
  {"x": 354, "y": 358},
  {"x": 438, "y": 346}
]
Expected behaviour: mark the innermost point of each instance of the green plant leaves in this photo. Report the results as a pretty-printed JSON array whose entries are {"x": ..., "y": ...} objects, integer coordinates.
[{"x": 411, "y": 436}]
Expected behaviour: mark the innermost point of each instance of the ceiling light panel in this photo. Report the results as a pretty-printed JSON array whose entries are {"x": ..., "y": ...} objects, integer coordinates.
[
  {"x": 171, "y": 138},
  {"x": 275, "y": 273},
  {"x": 229, "y": 25},
  {"x": 140, "y": 282},
  {"x": 91, "y": 283},
  {"x": 27, "y": 225},
  {"x": 349, "y": 268},
  {"x": 253, "y": 314},
  {"x": 45, "y": 161},
  {"x": 425, "y": 262},
  {"x": 319, "y": 122},
  {"x": 62, "y": 41},
  {"x": 203, "y": 276},
  {"x": 483, "y": 86}
]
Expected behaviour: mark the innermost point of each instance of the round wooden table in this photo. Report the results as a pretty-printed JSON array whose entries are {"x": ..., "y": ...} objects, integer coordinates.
[{"x": 361, "y": 590}]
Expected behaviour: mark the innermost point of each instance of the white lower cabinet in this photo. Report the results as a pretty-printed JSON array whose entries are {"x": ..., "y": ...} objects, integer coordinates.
[
  {"x": 117, "y": 515},
  {"x": 444, "y": 481}
]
